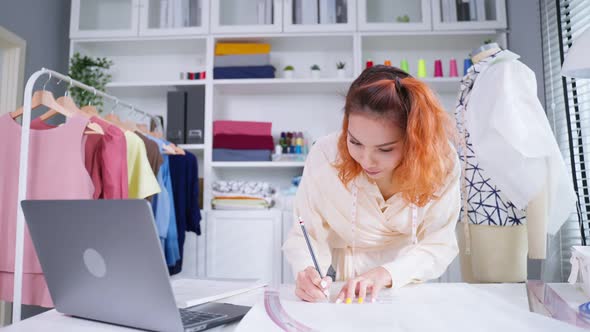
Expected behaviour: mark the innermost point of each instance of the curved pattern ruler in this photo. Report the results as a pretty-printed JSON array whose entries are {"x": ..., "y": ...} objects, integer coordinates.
[{"x": 276, "y": 312}]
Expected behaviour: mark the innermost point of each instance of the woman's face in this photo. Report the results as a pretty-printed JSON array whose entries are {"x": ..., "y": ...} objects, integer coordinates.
[{"x": 376, "y": 144}]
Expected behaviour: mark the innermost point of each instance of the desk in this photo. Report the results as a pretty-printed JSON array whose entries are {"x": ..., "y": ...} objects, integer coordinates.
[{"x": 54, "y": 321}]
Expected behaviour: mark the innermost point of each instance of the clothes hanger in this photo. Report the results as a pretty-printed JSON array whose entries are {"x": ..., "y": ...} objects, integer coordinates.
[
  {"x": 114, "y": 119},
  {"x": 130, "y": 124},
  {"x": 39, "y": 98},
  {"x": 46, "y": 98},
  {"x": 90, "y": 109},
  {"x": 142, "y": 128},
  {"x": 168, "y": 148},
  {"x": 67, "y": 102},
  {"x": 177, "y": 149},
  {"x": 157, "y": 130},
  {"x": 484, "y": 51}
]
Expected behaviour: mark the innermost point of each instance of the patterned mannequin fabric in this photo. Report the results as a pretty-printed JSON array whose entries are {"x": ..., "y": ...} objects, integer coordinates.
[{"x": 482, "y": 199}]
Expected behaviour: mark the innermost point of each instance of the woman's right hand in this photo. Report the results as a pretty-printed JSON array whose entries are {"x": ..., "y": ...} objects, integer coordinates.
[{"x": 310, "y": 287}]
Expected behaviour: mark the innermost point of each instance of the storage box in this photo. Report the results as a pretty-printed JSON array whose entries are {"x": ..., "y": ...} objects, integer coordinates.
[{"x": 580, "y": 261}]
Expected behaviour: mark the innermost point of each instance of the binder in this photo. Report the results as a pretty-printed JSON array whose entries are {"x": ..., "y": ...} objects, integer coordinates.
[
  {"x": 195, "y": 115},
  {"x": 261, "y": 12},
  {"x": 473, "y": 10},
  {"x": 463, "y": 10},
  {"x": 175, "y": 117},
  {"x": 297, "y": 13},
  {"x": 268, "y": 11},
  {"x": 481, "y": 10},
  {"x": 163, "y": 14},
  {"x": 341, "y": 11},
  {"x": 309, "y": 12},
  {"x": 194, "y": 13}
]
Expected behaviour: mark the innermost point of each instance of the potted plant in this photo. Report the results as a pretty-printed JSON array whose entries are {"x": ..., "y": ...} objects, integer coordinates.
[
  {"x": 315, "y": 71},
  {"x": 90, "y": 71},
  {"x": 288, "y": 71},
  {"x": 340, "y": 71}
]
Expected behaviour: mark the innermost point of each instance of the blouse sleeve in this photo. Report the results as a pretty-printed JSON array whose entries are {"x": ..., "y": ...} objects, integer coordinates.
[
  {"x": 308, "y": 201},
  {"x": 437, "y": 242}
]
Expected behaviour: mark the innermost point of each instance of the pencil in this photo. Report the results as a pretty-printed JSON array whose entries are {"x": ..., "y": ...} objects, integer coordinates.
[{"x": 315, "y": 262}]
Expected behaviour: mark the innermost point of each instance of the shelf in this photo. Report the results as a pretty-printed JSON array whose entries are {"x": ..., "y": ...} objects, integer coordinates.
[
  {"x": 428, "y": 33},
  {"x": 192, "y": 147},
  {"x": 282, "y": 81},
  {"x": 256, "y": 35},
  {"x": 257, "y": 164},
  {"x": 181, "y": 38},
  {"x": 131, "y": 84},
  {"x": 283, "y": 85}
]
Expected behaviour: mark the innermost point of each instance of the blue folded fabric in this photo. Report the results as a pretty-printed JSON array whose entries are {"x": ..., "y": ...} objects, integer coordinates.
[
  {"x": 244, "y": 72},
  {"x": 241, "y": 155}
]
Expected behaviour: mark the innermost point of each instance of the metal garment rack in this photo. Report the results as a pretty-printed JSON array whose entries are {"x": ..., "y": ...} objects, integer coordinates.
[{"x": 22, "y": 175}]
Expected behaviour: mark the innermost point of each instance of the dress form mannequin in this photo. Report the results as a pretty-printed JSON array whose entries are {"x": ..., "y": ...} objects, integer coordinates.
[
  {"x": 484, "y": 51},
  {"x": 499, "y": 253}
]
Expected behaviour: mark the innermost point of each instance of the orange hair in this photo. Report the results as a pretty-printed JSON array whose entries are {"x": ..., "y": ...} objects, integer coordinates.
[{"x": 395, "y": 96}]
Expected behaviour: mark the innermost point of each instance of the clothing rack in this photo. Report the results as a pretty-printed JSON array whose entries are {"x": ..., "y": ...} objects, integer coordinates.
[{"x": 23, "y": 168}]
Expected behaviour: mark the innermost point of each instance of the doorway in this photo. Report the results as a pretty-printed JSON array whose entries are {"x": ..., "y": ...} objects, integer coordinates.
[{"x": 12, "y": 69}]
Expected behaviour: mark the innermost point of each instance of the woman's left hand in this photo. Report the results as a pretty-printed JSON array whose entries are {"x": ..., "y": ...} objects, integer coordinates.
[{"x": 370, "y": 282}]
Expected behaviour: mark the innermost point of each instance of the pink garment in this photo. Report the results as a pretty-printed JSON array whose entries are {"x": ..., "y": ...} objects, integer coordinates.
[
  {"x": 242, "y": 128},
  {"x": 55, "y": 171},
  {"x": 110, "y": 160},
  {"x": 105, "y": 159}
]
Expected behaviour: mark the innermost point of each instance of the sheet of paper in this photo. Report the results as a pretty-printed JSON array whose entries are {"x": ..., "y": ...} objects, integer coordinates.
[
  {"x": 426, "y": 307},
  {"x": 191, "y": 292}
]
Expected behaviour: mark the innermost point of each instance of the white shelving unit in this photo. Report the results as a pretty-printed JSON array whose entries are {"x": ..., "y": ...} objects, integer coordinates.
[
  {"x": 493, "y": 12},
  {"x": 246, "y": 16},
  {"x": 382, "y": 15},
  {"x": 131, "y": 18},
  {"x": 133, "y": 84},
  {"x": 342, "y": 17},
  {"x": 148, "y": 61}
]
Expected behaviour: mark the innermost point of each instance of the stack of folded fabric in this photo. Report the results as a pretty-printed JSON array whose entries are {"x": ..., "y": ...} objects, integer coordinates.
[
  {"x": 242, "y": 60},
  {"x": 242, "y": 141},
  {"x": 240, "y": 195}
]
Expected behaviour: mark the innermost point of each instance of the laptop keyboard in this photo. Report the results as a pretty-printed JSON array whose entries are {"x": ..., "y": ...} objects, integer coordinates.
[{"x": 190, "y": 317}]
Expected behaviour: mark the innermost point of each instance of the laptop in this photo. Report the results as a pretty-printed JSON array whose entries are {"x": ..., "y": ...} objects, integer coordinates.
[{"x": 103, "y": 261}]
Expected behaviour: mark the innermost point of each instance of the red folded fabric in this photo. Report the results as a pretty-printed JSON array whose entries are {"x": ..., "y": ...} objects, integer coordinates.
[
  {"x": 243, "y": 142},
  {"x": 241, "y": 128}
]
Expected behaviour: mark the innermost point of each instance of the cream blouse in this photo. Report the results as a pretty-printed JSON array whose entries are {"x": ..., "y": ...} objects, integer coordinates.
[{"x": 383, "y": 232}]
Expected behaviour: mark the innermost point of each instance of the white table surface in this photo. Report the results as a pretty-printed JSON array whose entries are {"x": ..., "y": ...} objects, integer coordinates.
[{"x": 53, "y": 321}]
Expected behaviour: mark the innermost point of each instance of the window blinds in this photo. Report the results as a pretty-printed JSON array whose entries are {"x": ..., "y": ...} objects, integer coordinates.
[{"x": 568, "y": 109}]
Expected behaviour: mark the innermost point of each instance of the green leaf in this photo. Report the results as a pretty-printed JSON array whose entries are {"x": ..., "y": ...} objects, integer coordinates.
[{"x": 93, "y": 72}]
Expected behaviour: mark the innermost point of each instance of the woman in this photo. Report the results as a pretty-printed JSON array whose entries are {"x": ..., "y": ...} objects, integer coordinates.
[{"x": 380, "y": 199}]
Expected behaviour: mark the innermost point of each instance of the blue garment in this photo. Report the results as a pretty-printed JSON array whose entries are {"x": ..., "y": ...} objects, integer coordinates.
[
  {"x": 184, "y": 171},
  {"x": 241, "y": 155},
  {"x": 244, "y": 72},
  {"x": 164, "y": 210},
  {"x": 161, "y": 208}
]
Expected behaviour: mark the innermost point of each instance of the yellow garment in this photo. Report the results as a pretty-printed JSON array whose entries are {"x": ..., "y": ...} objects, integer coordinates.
[
  {"x": 241, "y": 48},
  {"x": 141, "y": 178},
  {"x": 383, "y": 235}
]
